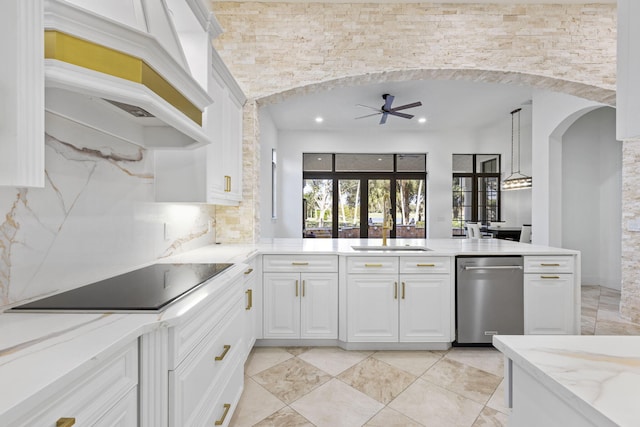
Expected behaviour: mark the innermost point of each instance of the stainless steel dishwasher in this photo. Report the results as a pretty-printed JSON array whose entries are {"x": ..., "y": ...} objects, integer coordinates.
[{"x": 489, "y": 298}]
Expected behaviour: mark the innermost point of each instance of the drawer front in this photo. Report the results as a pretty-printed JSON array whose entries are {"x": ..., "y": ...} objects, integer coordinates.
[
  {"x": 549, "y": 264},
  {"x": 199, "y": 377},
  {"x": 91, "y": 398},
  {"x": 184, "y": 337},
  {"x": 227, "y": 401},
  {"x": 124, "y": 414},
  {"x": 422, "y": 265},
  {"x": 300, "y": 263},
  {"x": 372, "y": 265}
]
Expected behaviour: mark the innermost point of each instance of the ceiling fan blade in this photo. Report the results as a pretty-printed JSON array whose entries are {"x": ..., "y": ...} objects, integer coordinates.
[
  {"x": 368, "y": 115},
  {"x": 388, "y": 100},
  {"x": 366, "y": 106},
  {"x": 403, "y": 115},
  {"x": 383, "y": 119},
  {"x": 404, "y": 107}
]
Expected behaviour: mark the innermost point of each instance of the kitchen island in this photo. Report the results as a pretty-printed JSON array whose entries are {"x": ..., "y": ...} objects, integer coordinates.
[
  {"x": 572, "y": 380},
  {"x": 46, "y": 357}
]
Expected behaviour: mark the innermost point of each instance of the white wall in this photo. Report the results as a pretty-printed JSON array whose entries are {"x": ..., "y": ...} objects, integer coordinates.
[
  {"x": 268, "y": 142},
  {"x": 592, "y": 196},
  {"x": 552, "y": 115},
  {"x": 438, "y": 146},
  {"x": 95, "y": 217}
]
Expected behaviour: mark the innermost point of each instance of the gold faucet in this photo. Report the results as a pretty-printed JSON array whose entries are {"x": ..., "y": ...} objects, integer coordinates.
[{"x": 387, "y": 219}]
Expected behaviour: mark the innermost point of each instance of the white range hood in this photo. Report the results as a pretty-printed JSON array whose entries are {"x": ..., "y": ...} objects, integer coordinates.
[{"x": 119, "y": 67}]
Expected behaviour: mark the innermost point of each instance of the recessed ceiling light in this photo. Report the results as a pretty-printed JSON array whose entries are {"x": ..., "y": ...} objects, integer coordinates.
[
  {"x": 319, "y": 119},
  {"x": 422, "y": 120}
]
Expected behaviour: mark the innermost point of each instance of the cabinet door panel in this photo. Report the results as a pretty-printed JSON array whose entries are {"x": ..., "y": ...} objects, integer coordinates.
[
  {"x": 319, "y": 306},
  {"x": 425, "y": 313},
  {"x": 548, "y": 304},
  {"x": 281, "y": 305},
  {"x": 372, "y": 314}
]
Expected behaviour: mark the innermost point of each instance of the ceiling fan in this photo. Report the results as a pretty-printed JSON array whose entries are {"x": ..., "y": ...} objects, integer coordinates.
[{"x": 386, "y": 109}]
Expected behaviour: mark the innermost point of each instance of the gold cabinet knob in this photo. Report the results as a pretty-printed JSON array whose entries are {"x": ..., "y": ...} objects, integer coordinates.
[{"x": 65, "y": 422}]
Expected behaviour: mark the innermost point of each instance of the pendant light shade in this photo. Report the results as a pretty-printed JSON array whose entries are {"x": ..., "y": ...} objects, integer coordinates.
[{"x": 516, "y": 181}]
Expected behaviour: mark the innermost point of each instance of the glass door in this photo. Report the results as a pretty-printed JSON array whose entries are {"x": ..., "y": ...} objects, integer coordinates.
[{"x": 349, "y": 208}]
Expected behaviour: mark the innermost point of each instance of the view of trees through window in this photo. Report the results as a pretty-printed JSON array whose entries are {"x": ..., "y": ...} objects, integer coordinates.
[
  {"x": 361, "y": 184},
  {"x": 476, "y": 190}
]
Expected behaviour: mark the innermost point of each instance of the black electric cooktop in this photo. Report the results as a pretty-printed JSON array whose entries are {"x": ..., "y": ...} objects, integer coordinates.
[{"x": 147, "y": 289}]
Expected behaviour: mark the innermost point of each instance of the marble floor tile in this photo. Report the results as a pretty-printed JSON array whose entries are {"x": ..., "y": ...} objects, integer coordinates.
[
  {"x": 486, "y": 358},
  {"x": 491, "y": 418},
  {"x": 497, "y": 401},
  {"x": 255, "y": 404},
  {"x": 391, "y": 418},
  {"x": 333, "y": 360},
  {"x": 334, "y": 387},
  {"x": 377, "y": 379},
  {"x": 336, "y": 404},
  {"x": 467, "y": 381},
  {"x": 297, "y": 351},
  {"x": 413, "y": 362},
  {"x": 285, "y": 417},
  {"x": 291, "y": 379},
  {"x": 432, "y": 405},
  {"x": 262, "y": 358}
]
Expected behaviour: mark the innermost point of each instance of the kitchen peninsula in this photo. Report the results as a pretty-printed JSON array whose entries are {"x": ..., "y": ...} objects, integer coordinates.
[{"x": 63, "y": 359}]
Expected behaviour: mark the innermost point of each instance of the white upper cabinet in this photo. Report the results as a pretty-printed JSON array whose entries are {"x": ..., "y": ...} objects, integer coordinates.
[
  {"x": 211, "y": 174},
  {"x": 22, "y": 94},
  {"x": 628, "y": 83}
]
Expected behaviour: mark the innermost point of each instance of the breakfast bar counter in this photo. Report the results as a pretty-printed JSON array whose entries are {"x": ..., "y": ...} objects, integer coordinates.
[{"x": 572, "y": 380}]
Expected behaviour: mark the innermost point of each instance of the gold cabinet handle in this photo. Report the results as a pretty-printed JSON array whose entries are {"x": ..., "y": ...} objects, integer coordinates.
[
  {"x": 425, "y": 265},
  {"x": 303, "y": 288},
  {"x": 542, "y": 264},
  {"x": 296, "y": 288},
  {"x": 549, "y": 277},
  {"x": 249, "y": 293},
  {"x": 403, "y": 286},
  {"x": 226, "y": 407},
  {"x": 227, "y": 183},
  {"x": 372, "y": 265},
  {"x": 65, "y": 422},
  {"x": 395, "y": 290},
  {"x": 299, "y": 263},
  {"x": 249, "y": 271},
  {"x": 226, "y": 347}
]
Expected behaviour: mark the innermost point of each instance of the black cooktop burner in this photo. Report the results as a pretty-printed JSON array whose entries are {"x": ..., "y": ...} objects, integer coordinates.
[{"x": 149, "y": 288}]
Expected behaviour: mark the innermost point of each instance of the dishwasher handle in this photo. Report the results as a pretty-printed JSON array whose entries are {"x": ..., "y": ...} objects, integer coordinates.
[{"x": 493, "y": 267}]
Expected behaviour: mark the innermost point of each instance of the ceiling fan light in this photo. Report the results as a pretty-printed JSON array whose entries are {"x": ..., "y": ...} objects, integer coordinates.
[
  {"x": 422, "y": 120},
  {"x": 319, "y": 119}
]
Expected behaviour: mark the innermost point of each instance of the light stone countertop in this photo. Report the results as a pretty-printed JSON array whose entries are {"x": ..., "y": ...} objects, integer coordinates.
[
  {"x": 598, "y": 376},
  {"x": 37, "y": 349}
]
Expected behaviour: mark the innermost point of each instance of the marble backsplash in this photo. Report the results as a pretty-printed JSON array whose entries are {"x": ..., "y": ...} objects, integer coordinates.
[{"x": 94, "y": 218}]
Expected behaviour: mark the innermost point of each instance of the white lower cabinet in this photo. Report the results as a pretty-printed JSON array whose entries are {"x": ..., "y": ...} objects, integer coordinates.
[
  {"x": 549, "y": 295},
  {"x": 107, "y": 396},
  {"x": 195, "y": 383},
  {"x": 300, "y": 296},
  {"x": 300, "y": 305},
  {"x": 386, "y": 307},
  {"x": 425, "y": 313},
  {"x": 252, "y": 302}
]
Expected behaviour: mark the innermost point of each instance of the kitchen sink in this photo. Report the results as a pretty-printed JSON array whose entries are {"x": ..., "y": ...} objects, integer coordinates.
[{"x": 391, "y": 248}]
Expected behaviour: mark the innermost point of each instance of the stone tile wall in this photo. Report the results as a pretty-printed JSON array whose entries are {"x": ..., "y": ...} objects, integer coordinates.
[
  {"x": 630, "y": 300},
  {"x": 277, "y": 50}
]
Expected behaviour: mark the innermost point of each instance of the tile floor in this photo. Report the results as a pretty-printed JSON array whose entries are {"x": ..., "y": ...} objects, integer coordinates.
[{"x": 328, "y": 386}]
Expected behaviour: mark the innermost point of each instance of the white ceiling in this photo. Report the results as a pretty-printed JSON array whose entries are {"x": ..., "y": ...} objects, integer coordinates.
[{"x": 446, "y": 104}]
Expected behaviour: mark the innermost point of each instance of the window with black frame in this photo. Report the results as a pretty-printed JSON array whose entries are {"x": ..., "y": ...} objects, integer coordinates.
[
  {"x": 475, "y": 190},
  {"x": 343, "y": 194}
]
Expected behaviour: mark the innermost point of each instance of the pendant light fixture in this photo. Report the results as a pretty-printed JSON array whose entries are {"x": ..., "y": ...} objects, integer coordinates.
[{"x": 516, "y": 181}]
